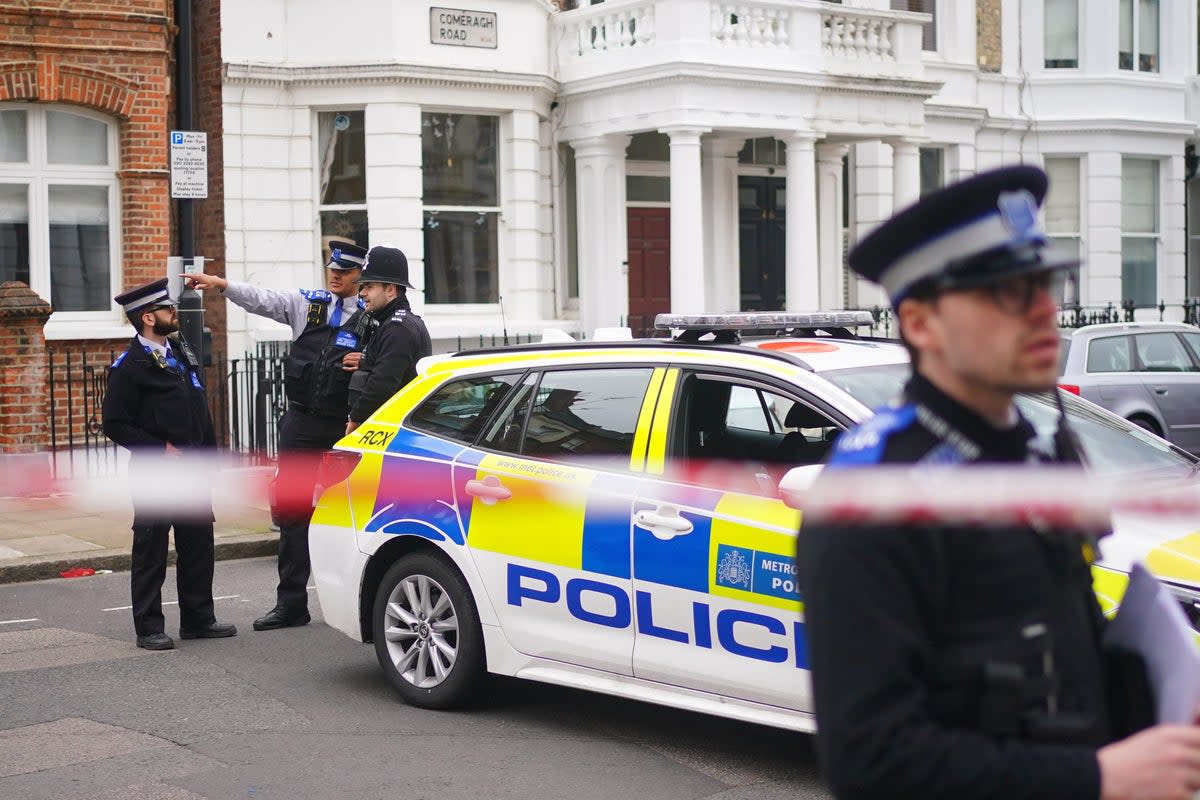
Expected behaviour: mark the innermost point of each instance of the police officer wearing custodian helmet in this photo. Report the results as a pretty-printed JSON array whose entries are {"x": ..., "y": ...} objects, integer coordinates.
[
  {"x": 390, "y": 360},
  {"x": 967, "y": 662},
  {"x": 329, "y": 330},
  {"x": 156, "y": 407}
]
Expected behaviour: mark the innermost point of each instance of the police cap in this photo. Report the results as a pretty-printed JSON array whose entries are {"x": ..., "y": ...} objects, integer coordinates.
[
  {"x": 972, "y": 233},
  {"x": 385, "y": 264},
  {"x": 345, "y": 255},
  {"x": 145, "y": 297}
]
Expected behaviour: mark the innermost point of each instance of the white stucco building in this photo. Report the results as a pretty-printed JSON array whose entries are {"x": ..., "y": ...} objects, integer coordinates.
[{"x": 593, "y": 166}]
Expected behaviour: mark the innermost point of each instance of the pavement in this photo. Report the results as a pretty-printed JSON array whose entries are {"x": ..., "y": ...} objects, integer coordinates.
[{"x": 41, "y": 537}]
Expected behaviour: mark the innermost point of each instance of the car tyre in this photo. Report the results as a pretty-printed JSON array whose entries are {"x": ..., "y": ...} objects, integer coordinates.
[{"x": 427, "y": 633}]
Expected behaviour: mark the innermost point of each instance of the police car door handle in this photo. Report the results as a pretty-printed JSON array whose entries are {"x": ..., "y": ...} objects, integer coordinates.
[
  {"x": 488, "y": 490},
  {"x": 663, "y": 522}
]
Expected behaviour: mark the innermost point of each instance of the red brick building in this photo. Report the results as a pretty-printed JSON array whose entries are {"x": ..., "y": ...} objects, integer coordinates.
[{"x": 86, "y": 103}]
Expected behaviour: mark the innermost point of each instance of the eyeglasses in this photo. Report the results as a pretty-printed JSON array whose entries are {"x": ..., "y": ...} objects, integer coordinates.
[{"x": 1016, "y": 295}]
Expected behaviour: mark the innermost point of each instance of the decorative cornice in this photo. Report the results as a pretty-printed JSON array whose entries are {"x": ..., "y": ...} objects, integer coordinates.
[
  {"x": 248, "y": 74},
  {"x": 690, "y": 72}
]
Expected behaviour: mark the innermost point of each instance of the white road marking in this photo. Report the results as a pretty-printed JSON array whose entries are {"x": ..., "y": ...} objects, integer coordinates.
[
  {"x": 15, "y": 621},
  {"x": 170, "y": 603}
]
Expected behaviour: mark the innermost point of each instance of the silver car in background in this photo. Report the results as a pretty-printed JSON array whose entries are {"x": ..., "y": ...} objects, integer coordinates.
[{"x": 1147, "y": 372}]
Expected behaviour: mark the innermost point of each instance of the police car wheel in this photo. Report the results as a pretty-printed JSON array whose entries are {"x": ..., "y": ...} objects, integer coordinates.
[{"x": 427, "y": 634}]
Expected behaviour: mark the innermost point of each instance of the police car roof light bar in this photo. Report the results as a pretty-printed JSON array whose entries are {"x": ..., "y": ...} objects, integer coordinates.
[{"x": 763, "y": 321}]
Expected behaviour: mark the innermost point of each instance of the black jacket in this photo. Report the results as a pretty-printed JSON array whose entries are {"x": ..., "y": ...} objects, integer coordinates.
[
  {"x": 149, "y": 403},
  {"x": 390, "y": 358},
  {"x": 313, "y": 376},
  {"x": 908, "y": 627}
]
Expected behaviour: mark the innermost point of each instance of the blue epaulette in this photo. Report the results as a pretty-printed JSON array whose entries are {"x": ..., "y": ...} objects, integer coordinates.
[
  {"x": 865, "y": 443},
  {"x": 120, "y": 358},
  {"x": 317, "y": 295}
]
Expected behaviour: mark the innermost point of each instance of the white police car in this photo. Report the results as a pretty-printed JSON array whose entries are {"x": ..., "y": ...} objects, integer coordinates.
[{"x": 607, "y": 516}]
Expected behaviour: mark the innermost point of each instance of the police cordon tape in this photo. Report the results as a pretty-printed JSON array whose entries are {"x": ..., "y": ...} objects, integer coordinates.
[{"x": 1056, "y": 496}]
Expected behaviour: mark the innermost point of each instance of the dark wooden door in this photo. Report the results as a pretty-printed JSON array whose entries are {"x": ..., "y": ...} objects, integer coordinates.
[
  {"x": 761, "y": 235},
  {"x": 649, "y": 232}
]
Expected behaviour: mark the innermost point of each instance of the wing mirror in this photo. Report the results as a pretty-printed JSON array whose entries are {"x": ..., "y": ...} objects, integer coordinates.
[{"x": 796, "y": 483}]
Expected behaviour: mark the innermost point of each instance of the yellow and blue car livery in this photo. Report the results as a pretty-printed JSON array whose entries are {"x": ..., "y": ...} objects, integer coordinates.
[{"x": 631, "y": 579}]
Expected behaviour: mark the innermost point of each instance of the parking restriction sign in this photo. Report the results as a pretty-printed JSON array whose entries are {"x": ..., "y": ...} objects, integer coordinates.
[{"x": 189, "y": 165}]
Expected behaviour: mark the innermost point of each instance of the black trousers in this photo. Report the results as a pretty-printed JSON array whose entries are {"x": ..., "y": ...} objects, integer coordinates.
[
  {"x": 193, "y": 573},
  {"x": 302, "y": 438}
]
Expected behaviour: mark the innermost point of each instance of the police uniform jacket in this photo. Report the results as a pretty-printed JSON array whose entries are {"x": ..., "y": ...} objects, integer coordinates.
[
  {"x": 390, "y": 359},
  {"x": 150, "y": 403},
  {"x": 314, "y": 380},
  {"x": 905, "y": 623}
]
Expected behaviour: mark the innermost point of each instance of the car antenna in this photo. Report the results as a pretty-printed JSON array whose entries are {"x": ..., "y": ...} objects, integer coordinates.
[{"x": 503, "y": 322}]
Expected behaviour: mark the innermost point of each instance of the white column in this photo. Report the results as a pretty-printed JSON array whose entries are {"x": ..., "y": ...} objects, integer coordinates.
[
  {"x": 960, "y": 162},
  {"x": 522, "y": 279},
  {"x": 872, "y": 205},
  {"x": 688, "y": 295},
  {"x": 829, "y": 223},
  {"x": 906, "y": 170},
  {"x": 1101, "y": 275},
  {"x": 603, "y": 242},
  {"x": 394, "y": 208},
  {"x": 719, "y": 168},
  {"x": 802, "y": 281},
  {"x": 1172, "y": 270}
]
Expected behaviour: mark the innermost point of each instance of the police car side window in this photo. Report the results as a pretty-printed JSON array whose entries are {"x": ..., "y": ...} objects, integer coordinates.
[
  {"x": 460, "y": 408},
  {"x": 578, "y": 413}
]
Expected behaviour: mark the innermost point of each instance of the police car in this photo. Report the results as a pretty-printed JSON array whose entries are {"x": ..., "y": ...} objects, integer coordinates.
[{"x": 607, "y": 515}]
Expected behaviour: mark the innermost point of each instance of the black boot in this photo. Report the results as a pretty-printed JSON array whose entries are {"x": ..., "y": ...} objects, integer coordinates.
[{"x": 280, "y": 617}]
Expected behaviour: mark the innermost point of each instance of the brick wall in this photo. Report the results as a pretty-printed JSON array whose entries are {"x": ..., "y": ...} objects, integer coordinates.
[
  {"x": 117, "y": 57},
  {"x": 987, "y": 34}
]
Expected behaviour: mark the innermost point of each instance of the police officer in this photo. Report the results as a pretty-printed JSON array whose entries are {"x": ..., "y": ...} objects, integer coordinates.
[
  {"x": 329, "y": 330},
  {"x": 155, "y": 406},
  {"x": 390, "y": 360},
  {"x": 951, "y": 662}
]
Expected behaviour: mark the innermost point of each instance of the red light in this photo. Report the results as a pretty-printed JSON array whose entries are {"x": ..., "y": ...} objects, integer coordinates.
[
  {"x": 1068, "y": 387},
  {"x": 336, "y": 466}
]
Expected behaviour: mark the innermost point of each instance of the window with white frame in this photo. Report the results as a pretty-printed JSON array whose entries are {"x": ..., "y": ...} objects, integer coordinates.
[
  {"x": 929, "y": 29},
  {"x": 1139, "y": 230},
  {"x": 58, "y": 205},
  {"x": 1138, "y": 32},
  {"x": 461, "y": 196},
  {"x": 342, "y": 150},
  {"x": 1063, "y": 223},
  {"x": 1062, "y": 34}
]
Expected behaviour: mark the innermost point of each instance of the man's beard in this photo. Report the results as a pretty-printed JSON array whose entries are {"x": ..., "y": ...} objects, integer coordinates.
[{"x": 165, "y": 328}]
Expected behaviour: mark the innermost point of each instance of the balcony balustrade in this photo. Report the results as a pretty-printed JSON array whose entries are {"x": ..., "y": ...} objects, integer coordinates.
[{"x": 806, "y": 36}]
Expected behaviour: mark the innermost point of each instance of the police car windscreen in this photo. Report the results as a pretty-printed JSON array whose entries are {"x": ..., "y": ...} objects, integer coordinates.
[
  {"x": 873, "y": 386},
  {"x": 1113, "y": 446}
]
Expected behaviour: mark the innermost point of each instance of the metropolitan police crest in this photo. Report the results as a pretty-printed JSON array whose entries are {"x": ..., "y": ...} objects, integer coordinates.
[{"x": 733, "y": 569}]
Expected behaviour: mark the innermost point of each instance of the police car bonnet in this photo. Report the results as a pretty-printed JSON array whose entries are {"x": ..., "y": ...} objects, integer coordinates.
[
  {"x": 385, "y": 265},
  {"x": 346, "y": 255},
  {"x": 978, "y": 231}
]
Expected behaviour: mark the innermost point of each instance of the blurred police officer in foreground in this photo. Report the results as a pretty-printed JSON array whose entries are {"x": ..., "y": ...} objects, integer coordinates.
[
  {"x": 390, "y": 360},
  {"x": 968, "y": 662},
  {"x": 328, "y": 332},
  {"x": 155, "y": 406}
]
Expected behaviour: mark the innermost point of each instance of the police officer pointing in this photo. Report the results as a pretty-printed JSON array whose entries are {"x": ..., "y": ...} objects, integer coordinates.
[
  {"x": 156, "y": 407},
  {"x": 329, "y": 330},
  {"x": 954, "y": 662},
  {"x": 390, "y": 360}
]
